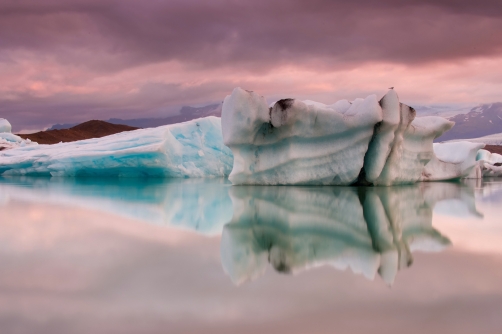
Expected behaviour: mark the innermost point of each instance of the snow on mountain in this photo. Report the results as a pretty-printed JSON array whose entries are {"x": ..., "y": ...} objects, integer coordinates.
[{"x": 481, "y": 121}]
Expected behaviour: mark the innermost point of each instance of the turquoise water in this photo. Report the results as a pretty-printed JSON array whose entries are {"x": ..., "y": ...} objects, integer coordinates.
[{"x": 201, "y": 256}]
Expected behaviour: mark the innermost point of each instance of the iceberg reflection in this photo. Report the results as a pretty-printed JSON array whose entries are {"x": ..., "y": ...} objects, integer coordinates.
[
  {"x": 200, "y": 205},
  {"x": 367, "y": 229}
]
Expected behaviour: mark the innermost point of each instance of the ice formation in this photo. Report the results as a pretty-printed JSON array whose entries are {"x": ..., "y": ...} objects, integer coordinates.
[
  {"x": 294, "y": 142},
  {"x": 490, "y": 164},
  {"x": 371, "y": 230},
  {"x": 308, "y": 143},
  {"x": 5, "y": 126},
  {"x": 9, "y": 140},
  {"x": 190, "y": 149},
  {"x": 452, "y": 161}
]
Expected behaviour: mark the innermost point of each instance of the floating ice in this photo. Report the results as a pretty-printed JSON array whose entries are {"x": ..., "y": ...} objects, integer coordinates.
[
  {"x": 309, "y": 143},
  {"x": 294, "y": 142},
  {"x": 487, "y": 156},
  {"x": 190, "y": 149},
  {"x": 5, "y": 126},
  {"x": 9, "y": 140},
  {"x": 452, "y": 160}
]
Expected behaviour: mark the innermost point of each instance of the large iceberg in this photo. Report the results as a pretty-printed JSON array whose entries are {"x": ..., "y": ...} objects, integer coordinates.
[
  {"x": 190, "y": 149},
  {"x": 308, "y": 143}
]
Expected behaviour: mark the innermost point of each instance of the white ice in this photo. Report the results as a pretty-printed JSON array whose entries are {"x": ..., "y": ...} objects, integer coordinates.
[
  {"x": 294, "y": 142},
  {"x": 489, "y": 163},
  {"x": 5, "y": 126},
  {"x": 310, "y": 143},
  {"x": 9, "y": 140},
  {"x": 453, "y": 160},
  {"x": 190, "y": 149}
]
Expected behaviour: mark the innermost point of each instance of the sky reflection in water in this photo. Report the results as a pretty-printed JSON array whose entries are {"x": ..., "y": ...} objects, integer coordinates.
[{"x": 101, "y": 255}]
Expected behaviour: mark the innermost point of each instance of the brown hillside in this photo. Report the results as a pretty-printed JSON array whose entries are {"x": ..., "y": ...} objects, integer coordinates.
[
  {"x": 494, "y": 148},
  {"x": 87, "y": 130}
]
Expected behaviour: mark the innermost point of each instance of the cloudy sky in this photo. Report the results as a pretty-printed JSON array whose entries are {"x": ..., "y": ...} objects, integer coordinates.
[{"x": 75, "y": 60}]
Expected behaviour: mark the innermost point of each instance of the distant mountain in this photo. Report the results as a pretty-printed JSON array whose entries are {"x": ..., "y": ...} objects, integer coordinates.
[
  {"x": 186, "y": 114},
  {"x": 481, "y": 121},
  {"x": 443, "y": 110},
  {"x": 87, "y": 130},
  {"x": 62, "y": 126}
]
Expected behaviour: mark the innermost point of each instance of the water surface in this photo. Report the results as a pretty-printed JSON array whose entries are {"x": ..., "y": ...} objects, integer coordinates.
[{"x": 201, "y": 256}]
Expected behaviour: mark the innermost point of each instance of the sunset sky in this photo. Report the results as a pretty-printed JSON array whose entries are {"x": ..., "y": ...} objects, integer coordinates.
[{"x": 64, "y": 61}]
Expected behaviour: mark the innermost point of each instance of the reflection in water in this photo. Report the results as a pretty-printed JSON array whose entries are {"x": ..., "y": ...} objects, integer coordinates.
[
  {"x": 201, "y": 205},
  {"x": 368, "y": 230}
]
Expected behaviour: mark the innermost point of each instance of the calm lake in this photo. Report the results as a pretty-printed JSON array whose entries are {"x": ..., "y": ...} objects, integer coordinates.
[{"x": 203, "y": 256}]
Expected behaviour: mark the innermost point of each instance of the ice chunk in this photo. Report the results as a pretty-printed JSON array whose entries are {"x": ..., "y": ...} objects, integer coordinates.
[
  {"x": 490, "y": 170},
  {"x": 5, "y": 126},
  {"x": 296, "y": 143},
  {"x": 169, "y": 151},
  {"x": 452, "y": 160},
  {"x": 487, "y": 156},
  {"x": 9, "y": 141},
  {"x": 489, "y": 163}
]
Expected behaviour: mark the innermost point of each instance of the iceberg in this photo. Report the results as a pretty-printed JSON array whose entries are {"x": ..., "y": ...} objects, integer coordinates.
[
  {"x": 453, "y": 160},
  {"x": 489, "y": 163},
  {"x": 9, "y": 140},
  {"x": 294, "y": 142},
  {"x": 365, "y": 141},
  {"x": 487, "y": 156},
  {"x": 369, "y": 230},
  {"x": 190, "y": 149},
  {"x": 5, "y": 126}
]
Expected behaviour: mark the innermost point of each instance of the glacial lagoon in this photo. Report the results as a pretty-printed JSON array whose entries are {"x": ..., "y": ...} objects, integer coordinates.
[{"x": 109, "y": 255}]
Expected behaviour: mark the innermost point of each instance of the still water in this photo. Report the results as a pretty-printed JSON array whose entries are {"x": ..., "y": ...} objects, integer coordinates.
[{"x": 201, "y": 256}]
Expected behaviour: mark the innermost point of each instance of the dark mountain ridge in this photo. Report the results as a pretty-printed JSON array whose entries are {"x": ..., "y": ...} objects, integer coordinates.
[{"x": 86, "y": 130}]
